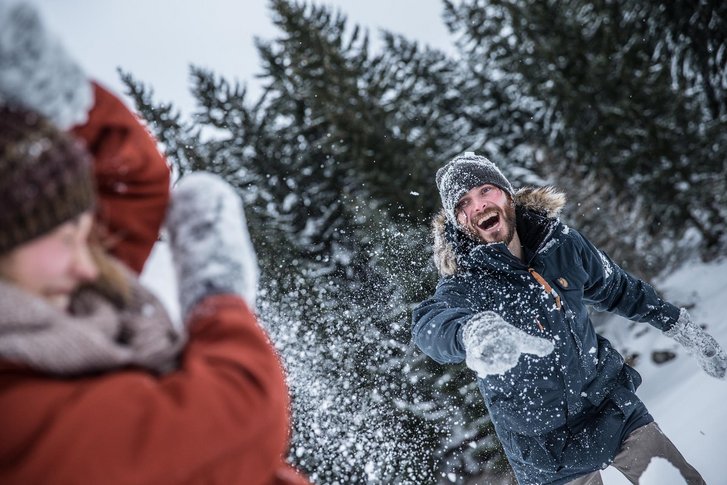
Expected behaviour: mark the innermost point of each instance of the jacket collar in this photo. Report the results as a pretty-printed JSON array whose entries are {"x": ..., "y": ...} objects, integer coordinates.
[{"x": 536, "y": 209}]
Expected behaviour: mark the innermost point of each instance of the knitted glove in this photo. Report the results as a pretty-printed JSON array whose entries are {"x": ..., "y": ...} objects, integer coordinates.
[
  {"x": 209, "y": 242},
  {"x": 710, "y": 355},
  {"x": 494, "y": 346},
  {"x": 36, "y": 72}
]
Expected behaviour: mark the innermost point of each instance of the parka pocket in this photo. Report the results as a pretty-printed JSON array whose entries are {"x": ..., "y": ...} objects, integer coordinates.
[
  {"x": 570, "y": 286},
  {"x": 545, "y": 453},
  {"x": 524, "y": 403}
]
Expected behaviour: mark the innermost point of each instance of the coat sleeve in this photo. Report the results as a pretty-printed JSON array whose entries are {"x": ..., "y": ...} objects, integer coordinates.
[
  {"x": 438, "y": 321},
  {"x": 222, "y": 418},
  {"x": 610, "y": 288},
  {"x": 132, "y": 178}
]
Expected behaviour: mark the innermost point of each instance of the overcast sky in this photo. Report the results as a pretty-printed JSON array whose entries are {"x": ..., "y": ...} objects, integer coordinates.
[{"x": 156, "y": 40}]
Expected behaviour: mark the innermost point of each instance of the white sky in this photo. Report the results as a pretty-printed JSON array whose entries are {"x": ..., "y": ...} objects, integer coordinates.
[{"x": 156, "y": 40}]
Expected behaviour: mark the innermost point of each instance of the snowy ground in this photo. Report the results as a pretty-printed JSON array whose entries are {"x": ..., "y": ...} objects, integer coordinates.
[{"x": 689, "y": 406}]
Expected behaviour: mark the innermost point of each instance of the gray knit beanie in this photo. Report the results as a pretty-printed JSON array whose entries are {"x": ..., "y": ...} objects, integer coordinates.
[{"x": 463, "y": 173}]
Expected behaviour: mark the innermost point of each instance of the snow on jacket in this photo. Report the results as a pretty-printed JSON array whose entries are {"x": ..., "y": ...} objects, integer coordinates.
[
  {"x": 221, "y": 417},
  {"x": 565, "y": 414}
]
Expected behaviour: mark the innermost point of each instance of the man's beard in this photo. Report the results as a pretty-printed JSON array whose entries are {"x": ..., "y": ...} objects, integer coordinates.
[{"x": 506, "y": 218}]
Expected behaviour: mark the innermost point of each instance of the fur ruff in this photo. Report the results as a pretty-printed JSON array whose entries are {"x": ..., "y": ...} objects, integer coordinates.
[{"x": 545, "y": 200}]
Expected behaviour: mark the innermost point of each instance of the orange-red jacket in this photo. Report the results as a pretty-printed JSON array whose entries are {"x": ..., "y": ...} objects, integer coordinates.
[
  {"x": 221, "y": 418},
  {"x": 132, "y": 178}
]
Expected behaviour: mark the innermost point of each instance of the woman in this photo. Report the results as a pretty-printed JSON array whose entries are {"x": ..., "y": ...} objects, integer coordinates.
[{"x": 96, "y": 384}]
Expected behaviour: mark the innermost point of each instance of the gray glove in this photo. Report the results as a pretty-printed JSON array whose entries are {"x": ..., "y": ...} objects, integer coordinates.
[
  {"x": 710, "y": 355},
  {"x": 209, "y": 242},
  {"x": 36, "y": 72},
  {"x": 494, "y": 346}
]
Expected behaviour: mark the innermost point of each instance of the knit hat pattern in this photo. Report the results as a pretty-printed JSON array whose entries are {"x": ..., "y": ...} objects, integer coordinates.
[
  {"x": 463, "y": 173},
  {"x": 45, "y": 177}
]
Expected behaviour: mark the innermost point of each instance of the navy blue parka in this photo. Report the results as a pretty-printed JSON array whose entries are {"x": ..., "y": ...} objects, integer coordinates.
[{"x": 566, "y": 414}]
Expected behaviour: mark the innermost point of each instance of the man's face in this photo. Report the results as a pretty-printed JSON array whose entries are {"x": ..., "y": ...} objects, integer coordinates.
[
  {"x": 487, "y": 213},
  {"x": 54, "y": 265}
]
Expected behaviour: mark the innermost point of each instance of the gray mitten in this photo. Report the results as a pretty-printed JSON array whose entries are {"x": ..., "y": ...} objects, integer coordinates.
[
  {"x": 494, "y": 346},
  {"x": 209, "y": 241},
  {"x": 36, "y": 72},
  {"x": 710, "y": 355}
]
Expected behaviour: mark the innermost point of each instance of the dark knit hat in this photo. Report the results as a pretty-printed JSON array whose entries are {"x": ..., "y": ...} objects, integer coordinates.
[
  {"x": 463, "y": 173},
  {"x": 45, "y": 177}
]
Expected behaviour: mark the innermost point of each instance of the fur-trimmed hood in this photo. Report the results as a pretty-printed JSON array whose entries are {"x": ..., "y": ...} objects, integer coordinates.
[{"x": 546, "y": 201}]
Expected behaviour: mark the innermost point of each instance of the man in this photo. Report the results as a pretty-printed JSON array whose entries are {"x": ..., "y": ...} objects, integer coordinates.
[{"x": 511, "y": 302}]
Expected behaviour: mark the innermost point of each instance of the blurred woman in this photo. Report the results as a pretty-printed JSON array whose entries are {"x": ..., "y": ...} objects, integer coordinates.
[{"x": 96, "y": 384}]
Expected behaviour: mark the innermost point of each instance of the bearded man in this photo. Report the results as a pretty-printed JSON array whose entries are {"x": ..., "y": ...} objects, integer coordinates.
[{"x": 512, "y": 303}]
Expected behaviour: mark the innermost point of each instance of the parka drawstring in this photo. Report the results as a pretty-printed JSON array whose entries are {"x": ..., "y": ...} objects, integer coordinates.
[{"x": 548, "y": 289}]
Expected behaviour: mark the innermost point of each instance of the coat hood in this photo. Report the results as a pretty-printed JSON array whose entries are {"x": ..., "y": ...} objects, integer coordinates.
[{"x": 546, "y": 201}]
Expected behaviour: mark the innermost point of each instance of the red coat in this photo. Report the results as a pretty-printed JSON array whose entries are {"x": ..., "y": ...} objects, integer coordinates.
[
  {"x": 132, "y": 178},
  {"x": 222, "y": 418}
]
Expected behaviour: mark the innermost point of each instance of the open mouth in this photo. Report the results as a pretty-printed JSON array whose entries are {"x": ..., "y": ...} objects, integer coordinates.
[{"x": 488, "y": 222}]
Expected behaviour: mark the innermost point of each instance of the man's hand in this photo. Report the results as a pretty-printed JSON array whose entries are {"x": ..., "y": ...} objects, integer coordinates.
[
  {"x": 494, "y": 346},
  {"x": 710, "y": 355}
]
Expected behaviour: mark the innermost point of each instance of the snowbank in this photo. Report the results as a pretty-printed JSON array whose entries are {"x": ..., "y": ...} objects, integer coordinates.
[{"x": 688, "y": 404}]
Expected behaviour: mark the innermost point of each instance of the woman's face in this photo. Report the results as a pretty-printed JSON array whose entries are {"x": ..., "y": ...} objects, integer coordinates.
[{"x": 54, "y": 265}]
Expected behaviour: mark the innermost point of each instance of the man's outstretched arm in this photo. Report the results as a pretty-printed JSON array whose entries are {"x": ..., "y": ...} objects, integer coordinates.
[
  {"x": 612, "y": 289},
  {"x": 438, "y": 324}
]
